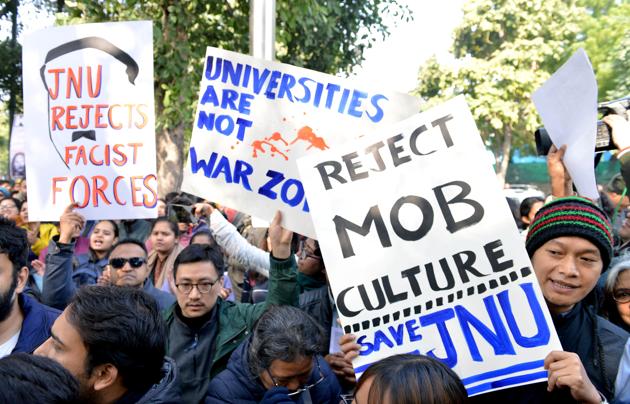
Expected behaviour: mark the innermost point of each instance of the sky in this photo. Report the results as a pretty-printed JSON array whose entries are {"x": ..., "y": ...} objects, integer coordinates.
[{"x": 394, "y": 63}]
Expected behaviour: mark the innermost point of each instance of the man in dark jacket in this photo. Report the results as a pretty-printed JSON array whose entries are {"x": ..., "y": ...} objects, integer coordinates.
[
  {"x": 112, "y": 339},
  {"x": 279, "y": 363},
  {"x": 24, "y": 322},
  {"x": 128, "y": 267},
  {"x": 202, "y": 329}
]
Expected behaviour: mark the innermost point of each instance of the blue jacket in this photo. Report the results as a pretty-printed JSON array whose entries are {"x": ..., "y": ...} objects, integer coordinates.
[
  {"x": 236, "y": 385},
  {"x": 38, "y": 320},
  {"x": 65, "y": 273}
]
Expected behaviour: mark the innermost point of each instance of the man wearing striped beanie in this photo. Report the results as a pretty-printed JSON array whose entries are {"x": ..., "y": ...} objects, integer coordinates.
[{"x": 570, "y": 244}]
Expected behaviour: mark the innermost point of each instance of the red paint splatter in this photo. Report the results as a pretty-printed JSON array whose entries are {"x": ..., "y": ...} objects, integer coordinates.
[{"x": 306, "y": 134}]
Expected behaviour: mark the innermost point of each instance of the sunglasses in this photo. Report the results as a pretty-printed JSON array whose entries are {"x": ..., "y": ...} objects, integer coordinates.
[{"x": 134, "y": 262}]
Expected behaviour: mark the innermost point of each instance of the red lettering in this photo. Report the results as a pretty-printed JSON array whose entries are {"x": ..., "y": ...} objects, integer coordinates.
[
  {"x": 123, "y": 157},
  {"x": 93, "y": 159},
  {"x": 86, "y": 191},
  {"x": 70, "y": 117},
  {"x": 55, "y": 93},
  {"x": 98, "y": 115},
  {"x": 81, "y": 155},
  {"x": 150, "y": 203},
  {"x": 98, "y": 190},
  {"x": 135, "y": 189},
  {"x": 135, "y": 150},
  {"x": 55, "y": 188},
  {"x": 57, "y": 114},
  {"x": 116, "y": 193},
  {"x": 109, "y": 116},
  {"x": 145, "y": 118},
  {"x": 68, "y": 155},
  {"x": 76, "y": 82},
  {"x": 94, "y": 90},
  {"x": 86, "y": 123}
]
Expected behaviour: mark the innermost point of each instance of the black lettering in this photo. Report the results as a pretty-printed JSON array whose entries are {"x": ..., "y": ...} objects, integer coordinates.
[
  {"x": 441, "y": 122},
  {"x": 446, "y": 270},
  {"x": 379, "y": 296},
  {"x": 396, "y": 150},
  {"x": 413, "y": 141},
  {"x": 342, "y": 226},
  {"x": 374, "y": 149},
  {"x": 391, "y": 297},
  {"x": 336, "y": 169},
  {"x": 494, "y": 252},
  {"x": 410, "y": 274},
  {"x": 427, "y": 218},
  {"x": 451, "y": 225},
  {"x": 352, "y": 166},
  {"x": 466, "y": 266},
  {"x": 341, "y": 304}
]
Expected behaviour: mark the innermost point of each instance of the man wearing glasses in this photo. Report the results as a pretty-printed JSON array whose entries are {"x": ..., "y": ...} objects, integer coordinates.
[
  {"x": 128, "y": 267},
  {"x": 203, "y": 330},
  {"x": 279, "y": 363}
]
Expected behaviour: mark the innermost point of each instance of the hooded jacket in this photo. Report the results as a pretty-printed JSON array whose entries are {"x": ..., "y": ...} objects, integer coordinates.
[{"x": 167, "y": 390}]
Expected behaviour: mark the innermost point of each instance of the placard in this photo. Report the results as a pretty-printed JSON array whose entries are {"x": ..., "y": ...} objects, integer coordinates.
[
  {"x": 423, "y": 255},
  {"x": 255, "y": 118},
  {"x": 89, "y": 118}
]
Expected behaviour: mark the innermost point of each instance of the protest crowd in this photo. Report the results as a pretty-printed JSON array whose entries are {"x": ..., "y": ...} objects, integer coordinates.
[{"x": 197, "y": 304}]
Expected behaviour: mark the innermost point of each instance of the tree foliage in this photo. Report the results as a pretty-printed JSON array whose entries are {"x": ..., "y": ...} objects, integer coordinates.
[
  {"x": 320, "y": 35},
  {"x": 504, "y": 50}
]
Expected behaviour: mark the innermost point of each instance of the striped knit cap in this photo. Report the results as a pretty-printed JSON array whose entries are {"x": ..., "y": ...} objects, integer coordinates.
[{"x": 571, "y": 216}]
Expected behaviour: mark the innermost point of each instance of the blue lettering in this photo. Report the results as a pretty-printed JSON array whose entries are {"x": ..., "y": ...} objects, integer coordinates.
[
  {"x": 500, "y": 341},
  {"x": 259, "y": 79},
  {"x": 205, "y": 119},
  {"x": 378, "y": 115},
  {"x": 231, "y": 73},
  {"x": 439, "y": 318},
  {"x": 245, "y": 104},
  {"x": 273, "y": 83},
  {"x": 397, "y": 333},
  {"x": 366, "y": 347},
  {"x": 196, "y": 165},
  {"x": 332, "y": 89},
  {"x": 209, "y": 63},
  {"x": 411, "y": 330},
  {"x": 543, "y": 335},
  {"x": 242, "y": 171},
  {"x": 355, "y": 103},
  {"x": 210, "y": 96},
  {"x": 299, "y": 193},
  {"x": 223, "y": 168},
  {"x": 344, "y": 101},
  {"x": 286, "y": 84},
  {"x": 266, "y": 189},
  {"x": 228, "y": 100},
  {"x": 242, "y": 125},
  {"x": 379, "y": 339},
  {"x": 224, "y": 129},
  {"x": 307, "y": 91}
]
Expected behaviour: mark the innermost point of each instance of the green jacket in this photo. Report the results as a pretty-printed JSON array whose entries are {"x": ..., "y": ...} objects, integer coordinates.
[{"x": 236, "y": 320}]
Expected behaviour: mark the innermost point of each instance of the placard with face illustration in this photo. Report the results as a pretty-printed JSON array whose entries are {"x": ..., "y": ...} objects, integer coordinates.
[{"x": 89, "y": 121}]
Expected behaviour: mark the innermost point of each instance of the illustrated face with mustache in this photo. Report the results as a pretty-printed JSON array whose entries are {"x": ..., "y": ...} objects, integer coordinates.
[{"x": 567, "y": 269}]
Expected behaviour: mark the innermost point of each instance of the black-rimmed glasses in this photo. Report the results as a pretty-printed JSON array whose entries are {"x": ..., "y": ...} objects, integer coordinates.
[
  {"x": 303, "y": 252},
  {"x": 202, "y": 287},
  {"x": 303, "y": 388},
  {"x": 622, "y": 295}
]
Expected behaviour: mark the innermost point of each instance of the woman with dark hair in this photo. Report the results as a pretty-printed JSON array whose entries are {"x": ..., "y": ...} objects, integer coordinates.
[
  {"x": 529, "y": 207},
  {"x": 279, "y": 363},
  {"x": 65, "y": 270},
  {"x": 617, "y": 294},
  {"x": 165, "y": 241},
  {"x": 409, "y": 379}
]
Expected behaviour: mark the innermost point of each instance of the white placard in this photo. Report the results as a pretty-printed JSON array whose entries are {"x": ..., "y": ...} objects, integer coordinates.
[
  {"x": 422, "y": 253},
  {"x": 256, "y": 117},
  {"x": 16, "y": 148},
  {"x": 89, "y": 118}
]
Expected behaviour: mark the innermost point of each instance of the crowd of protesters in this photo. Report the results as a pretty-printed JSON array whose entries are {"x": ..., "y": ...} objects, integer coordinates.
[{"x": 200, "y": 306}]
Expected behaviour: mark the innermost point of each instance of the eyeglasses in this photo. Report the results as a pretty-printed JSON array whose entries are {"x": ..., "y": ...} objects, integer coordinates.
[
  {"x": 304, "y": 388},
  {"x": 303, "y": 252},
  {"x": 8, "y": 207},
  {"x": 622, "y": 295},
  {"x": 202, "y": 287},
  {"x": 134, "y": 262}
]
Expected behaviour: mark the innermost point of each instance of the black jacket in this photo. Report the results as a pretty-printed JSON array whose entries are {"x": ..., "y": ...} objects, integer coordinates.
[{"x": 236, "y": 384}]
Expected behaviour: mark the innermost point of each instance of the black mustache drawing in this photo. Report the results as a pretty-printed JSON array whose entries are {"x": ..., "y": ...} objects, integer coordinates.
[{"x": 79, "y": 44}]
